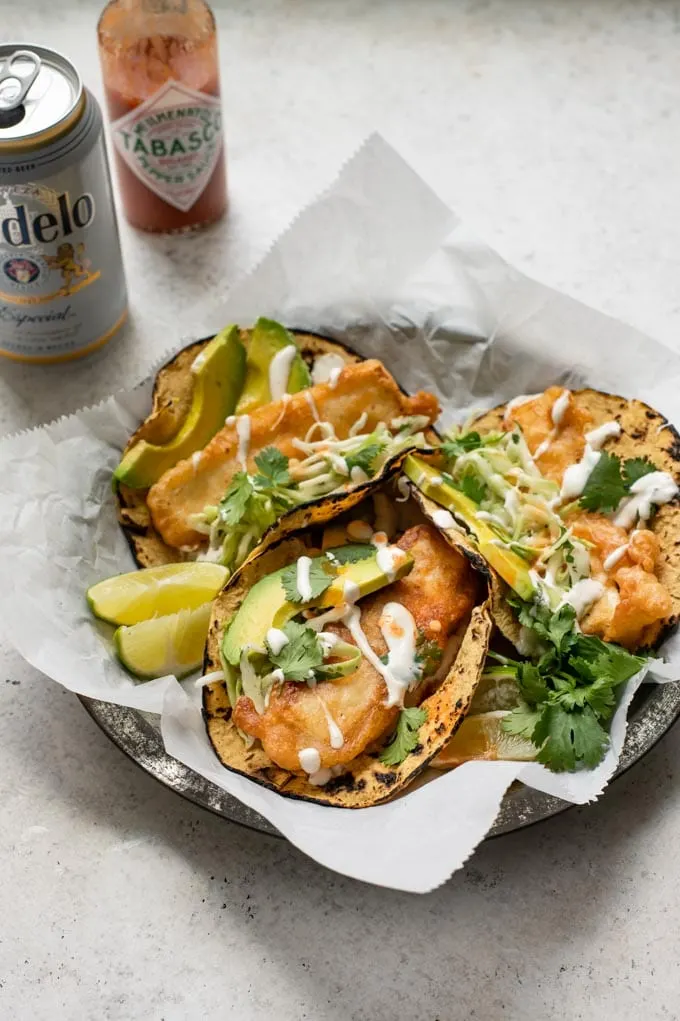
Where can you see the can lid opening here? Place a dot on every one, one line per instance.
(8, 118)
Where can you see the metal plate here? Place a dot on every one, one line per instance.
(654, 710)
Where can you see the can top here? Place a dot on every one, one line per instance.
(41, 95)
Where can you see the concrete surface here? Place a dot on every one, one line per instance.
(555, 128)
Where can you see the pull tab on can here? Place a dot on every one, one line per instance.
(18, 72)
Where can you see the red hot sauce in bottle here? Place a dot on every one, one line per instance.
(161, 77)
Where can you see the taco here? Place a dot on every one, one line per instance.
(341, 660)
(255, 434)
(571, 498)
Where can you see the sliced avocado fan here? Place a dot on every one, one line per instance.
(219, 372)
(267, 340)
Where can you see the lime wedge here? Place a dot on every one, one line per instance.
(164, 645)
(495, 692)
(155, 591)
(482, 737)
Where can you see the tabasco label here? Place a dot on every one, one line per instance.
(172, 142)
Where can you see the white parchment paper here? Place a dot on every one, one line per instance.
(380, 263)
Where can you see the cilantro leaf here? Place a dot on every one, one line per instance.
(233, 506)
(521, 721)
(635, 468)
(321, 574)
(405, 738)
(428, 655)
(352, 553)
(568, 739)
(590, 738)
(560, 628)
(302, 653)
(568, 695)
(605, 488)
(556, 628)
(364, 458)
(473, 487)
(553, 735)
(593, 658)
(619, 665)
(532, 686)
(549, 661)
(611, 668)
(601, 697)
(461, 444)
(273, 467)
(585, 668)
(609, 482)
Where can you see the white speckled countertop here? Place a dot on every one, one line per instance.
(554, 127)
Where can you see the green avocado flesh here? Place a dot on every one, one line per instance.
(507, 564)
(267, 339)
(219, 373)
(266, 604)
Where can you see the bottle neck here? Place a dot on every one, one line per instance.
(125, 20)
(163, 6)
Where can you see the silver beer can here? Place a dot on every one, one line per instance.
(62, 288)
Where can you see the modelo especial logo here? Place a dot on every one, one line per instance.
(22, 227)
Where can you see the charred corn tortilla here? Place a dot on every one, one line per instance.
(644, 433)
(171, 401)
(365, 781)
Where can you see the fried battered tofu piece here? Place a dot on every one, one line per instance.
(439, 593)
(365, 387)
(568, 443)
(634, 599)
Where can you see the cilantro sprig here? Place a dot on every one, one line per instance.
(259, 499)
(456, 445)
(570, 693)
(273, 467)
(234, 505)
(611, 479)
(352, 553)
(406, 736)
(428, 655)
(472, 486)
(365, 458)
(458, 441)
(461, 443)
(302, 653)
(321, 574)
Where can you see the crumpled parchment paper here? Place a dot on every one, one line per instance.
(380, 263)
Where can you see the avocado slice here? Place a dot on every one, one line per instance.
(509, 565)
(266, 604)
(266, 340)
(219, 373)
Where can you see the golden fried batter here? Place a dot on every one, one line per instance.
(568, 444)
(634, 596)
(439, 593)
(365, 387)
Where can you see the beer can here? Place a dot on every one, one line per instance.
(62, 287)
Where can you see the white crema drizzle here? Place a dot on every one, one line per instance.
(279, 371)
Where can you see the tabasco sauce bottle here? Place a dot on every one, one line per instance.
(161, 77)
